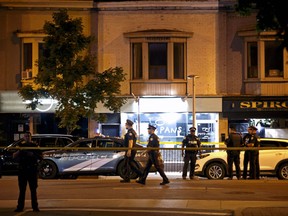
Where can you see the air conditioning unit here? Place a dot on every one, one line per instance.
(27, 74)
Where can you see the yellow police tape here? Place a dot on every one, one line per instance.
(143, 148)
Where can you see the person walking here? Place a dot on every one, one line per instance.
(233, 156)
(130, 142)
(190, 141)
(153, 158)
(28, 171)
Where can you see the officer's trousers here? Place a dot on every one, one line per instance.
(25, 177)
(153, 160)
(233, 157)
(189, 157)
(131, 165)
(245, 163)
(254, 165)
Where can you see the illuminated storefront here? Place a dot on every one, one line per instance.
(173, 119)
(268, 114)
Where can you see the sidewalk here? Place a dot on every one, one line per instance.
(146, 207)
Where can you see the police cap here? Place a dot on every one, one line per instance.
(252, 128)
(193, 129)
(129, 122)
(151, 127)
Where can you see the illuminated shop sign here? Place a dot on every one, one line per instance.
(264, 104)
(254, 105)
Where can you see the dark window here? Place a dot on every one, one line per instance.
(157, 60)
(27, 56)
(61, 142)
(137, 60)
(273, 59)
(47, 142)
(269, 143)
(178, 60)
(252, 60)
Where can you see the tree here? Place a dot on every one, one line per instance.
(67, 74)
(271, 15)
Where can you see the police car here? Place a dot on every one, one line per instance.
(273, 162)
(44, 141)
(91, 156)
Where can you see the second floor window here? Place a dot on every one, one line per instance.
(159, 55)
(157, 60)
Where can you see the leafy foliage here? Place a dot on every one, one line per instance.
(271, 15)
(67, 74)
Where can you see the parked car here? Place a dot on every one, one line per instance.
(45, 141)
(91, 156)
(273, 162)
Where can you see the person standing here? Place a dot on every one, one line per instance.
(28, 171)
(153, 142)
(190, 141)
(247, 153)
(233, 156)
(130, 142)
(254, 157)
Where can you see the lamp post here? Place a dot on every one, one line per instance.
(193, 77)
(137, 100)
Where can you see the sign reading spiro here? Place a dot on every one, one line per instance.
(264, 104)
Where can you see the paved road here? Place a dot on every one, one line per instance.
(106, 195)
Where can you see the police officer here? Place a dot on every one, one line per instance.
(28, 172)
(254, 157)
(251, 156)
(246, 141)
(233, 156)
(130, 142)
(190, 141)
(153, 158)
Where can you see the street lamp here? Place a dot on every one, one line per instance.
(137, 100)
(193, 77)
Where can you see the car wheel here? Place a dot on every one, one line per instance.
(215, 171)
(48, 170)
(121, 170)
(283, 171)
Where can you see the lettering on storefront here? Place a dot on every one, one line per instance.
(264, 105)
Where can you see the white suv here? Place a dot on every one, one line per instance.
(273, 162)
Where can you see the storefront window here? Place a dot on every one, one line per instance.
(172, 127)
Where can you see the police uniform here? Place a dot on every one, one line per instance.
(28, 173)
(153, 142)
(129, 161)
(233, 156)
(190, 141)
(254, 158)
(251, 156)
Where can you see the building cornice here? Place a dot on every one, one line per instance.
(157, 5)
(34, 4)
